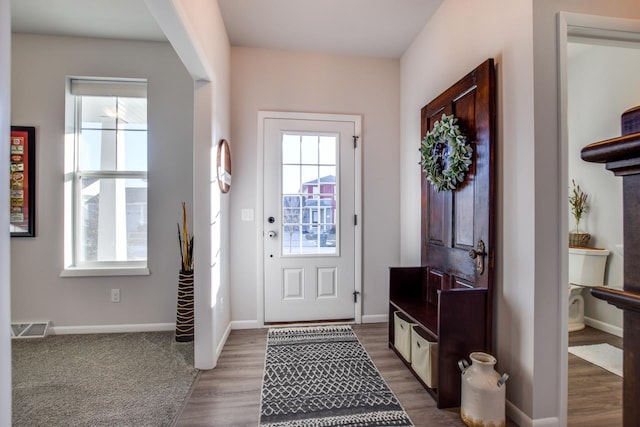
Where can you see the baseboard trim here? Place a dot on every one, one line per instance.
(547, 422)
(375, 318)
(523, 420)
(107, 329)
(223, 341)
(606, 327)
(245, 324)
(517, 416)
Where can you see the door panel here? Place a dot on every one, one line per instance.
(464, 215)
(309, 205)
(292, 283)
(327, 282)
(437, 213)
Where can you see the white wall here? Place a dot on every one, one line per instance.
(40, 65)
(207, 55)
(459, 37)
(602, 84)
(307, 82)
(5, 277)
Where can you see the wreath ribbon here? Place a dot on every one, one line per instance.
(446, 156)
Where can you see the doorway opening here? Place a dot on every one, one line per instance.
(599, 60)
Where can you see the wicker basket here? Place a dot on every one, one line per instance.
(579, 239)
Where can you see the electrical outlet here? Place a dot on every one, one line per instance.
(115, 295)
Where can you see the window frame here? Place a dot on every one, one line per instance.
(76, 89)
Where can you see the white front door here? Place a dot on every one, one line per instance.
(310, 207)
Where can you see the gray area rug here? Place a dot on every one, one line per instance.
(131, 379)
(322, 376)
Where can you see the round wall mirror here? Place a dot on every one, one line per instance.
(224, 166)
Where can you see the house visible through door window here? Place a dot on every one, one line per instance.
(309, 194)
(106, 175)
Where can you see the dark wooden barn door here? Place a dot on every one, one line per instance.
(458, 226)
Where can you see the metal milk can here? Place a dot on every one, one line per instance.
(482, 400)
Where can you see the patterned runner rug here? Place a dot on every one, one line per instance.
(322, 376)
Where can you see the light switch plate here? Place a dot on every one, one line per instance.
(246, 214)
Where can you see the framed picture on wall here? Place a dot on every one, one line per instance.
(22, 182)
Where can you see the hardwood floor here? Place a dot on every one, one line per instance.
(229, 395)
(595, 395)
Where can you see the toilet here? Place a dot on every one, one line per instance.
(586, 269)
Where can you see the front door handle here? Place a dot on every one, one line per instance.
(479, 253)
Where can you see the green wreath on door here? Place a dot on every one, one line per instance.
(446, 156)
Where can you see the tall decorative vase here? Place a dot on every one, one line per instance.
(482, 399)
(185, 314)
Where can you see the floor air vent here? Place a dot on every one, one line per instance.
(29, 330)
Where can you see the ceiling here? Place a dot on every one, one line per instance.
(380, 28)
(120, 19)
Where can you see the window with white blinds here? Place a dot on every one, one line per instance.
(107, 173)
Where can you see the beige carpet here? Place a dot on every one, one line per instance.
(133, 379)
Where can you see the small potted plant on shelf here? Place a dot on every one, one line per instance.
(185, 313)
(579, 206)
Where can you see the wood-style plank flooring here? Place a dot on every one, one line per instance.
(229, 395)
(595, 394)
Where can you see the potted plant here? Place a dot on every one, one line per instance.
(185, 313)
(579, 206)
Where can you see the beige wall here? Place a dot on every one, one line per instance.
(306, 82)
(459, 37)
(40, 66)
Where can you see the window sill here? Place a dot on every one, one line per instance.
(104, 272)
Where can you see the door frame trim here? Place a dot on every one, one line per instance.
(357, 121)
